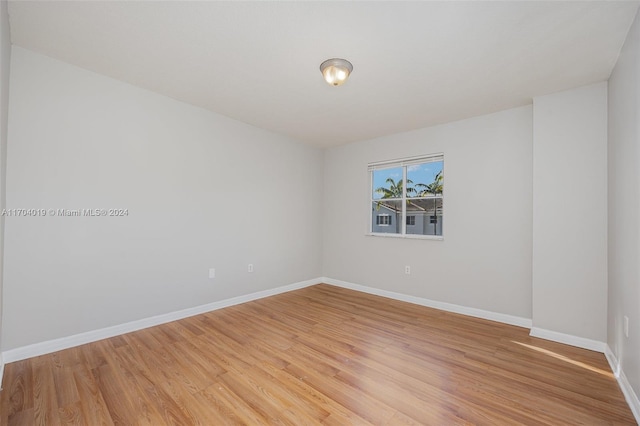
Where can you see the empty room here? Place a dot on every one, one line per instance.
(319, 212)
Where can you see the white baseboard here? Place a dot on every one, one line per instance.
(625, 386)
(1, 369)
(568, 339)
(443, 306)
(613, 361)
(50, 346)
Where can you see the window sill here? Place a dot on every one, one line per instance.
(406, 236)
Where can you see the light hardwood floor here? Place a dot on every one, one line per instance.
(319, 355)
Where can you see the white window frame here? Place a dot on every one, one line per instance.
(403, 163)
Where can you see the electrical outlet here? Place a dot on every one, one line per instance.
(407, 270)
(626, 326)
(250, 267)
(212, 273)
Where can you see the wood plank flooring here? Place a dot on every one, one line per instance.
(319, 355)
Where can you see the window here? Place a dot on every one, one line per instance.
(416, 206)
(383, 220)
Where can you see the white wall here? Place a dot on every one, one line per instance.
(5, 60)
(570, 212)
(202, 191)
(484, 261)
(624, 208)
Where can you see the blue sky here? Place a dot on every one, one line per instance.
(419, 173)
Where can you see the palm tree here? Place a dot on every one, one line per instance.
(434, 188)
(395, 190)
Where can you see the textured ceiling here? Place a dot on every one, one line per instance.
(415, 63)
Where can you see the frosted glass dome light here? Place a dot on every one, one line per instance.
(336, 71)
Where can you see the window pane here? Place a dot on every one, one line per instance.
(387, 183)
(428, 216)
(425, 179)
(386, 216)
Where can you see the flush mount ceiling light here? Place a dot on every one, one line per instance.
(336, 71)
